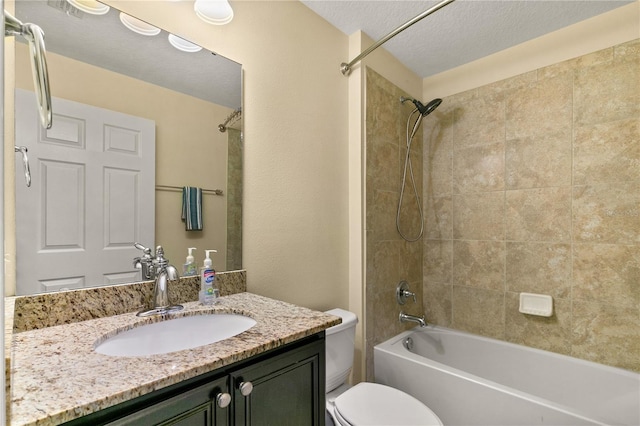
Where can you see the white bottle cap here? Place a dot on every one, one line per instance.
(190, 256)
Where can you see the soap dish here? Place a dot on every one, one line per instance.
(536, 304)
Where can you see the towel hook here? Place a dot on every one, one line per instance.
(25, 161)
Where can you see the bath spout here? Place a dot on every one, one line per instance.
(406, 317)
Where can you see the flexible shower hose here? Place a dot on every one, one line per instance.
(407, 164)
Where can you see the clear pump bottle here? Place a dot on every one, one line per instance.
(190, 268)
(209, 291)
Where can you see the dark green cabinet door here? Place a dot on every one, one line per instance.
(286, 390)
(196, 407)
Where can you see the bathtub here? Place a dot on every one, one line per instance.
(472, 380)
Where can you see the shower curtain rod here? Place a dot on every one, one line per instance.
(346, 67)
(35, 36)
(234, 116)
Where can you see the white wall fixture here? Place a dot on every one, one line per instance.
(216, 12)
(536, 304)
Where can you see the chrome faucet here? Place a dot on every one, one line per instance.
(406, 317)
(163, 273)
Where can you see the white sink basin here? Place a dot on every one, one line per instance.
(175, 335)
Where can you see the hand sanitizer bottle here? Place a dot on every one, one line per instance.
(209, 291)
(190, 268)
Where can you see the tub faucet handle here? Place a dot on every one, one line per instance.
(403, 293)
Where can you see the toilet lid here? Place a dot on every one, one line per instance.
(376, 404)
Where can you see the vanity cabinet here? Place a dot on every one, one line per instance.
(284, 386)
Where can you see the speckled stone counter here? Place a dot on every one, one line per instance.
(57, 376)
(23, 313)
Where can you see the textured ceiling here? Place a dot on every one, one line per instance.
(461, 32)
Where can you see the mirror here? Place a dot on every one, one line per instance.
(98, 63)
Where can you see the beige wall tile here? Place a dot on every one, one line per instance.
(543, 108)
(478, 311)
(479, 264)
(438, 259)
(539, 268)
(438, 152)
(608, 334)
(479, 216)
(389, 259)
(607, 92)
(381, 215)
(608, 152)
(437, 303)
(564, 67)
(550, 334)
(538, 162)
(542, 214)
(609, 273)
(410, 258)
(566, 214)
(478, 121)
(438, 218)
(608, 213)
(627, 51)
(382, 166)
(383, 266)
(479, 168)
(509, 84)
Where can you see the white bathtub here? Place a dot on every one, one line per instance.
(472, 380)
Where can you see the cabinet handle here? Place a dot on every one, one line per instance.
(245, 388)
(223, 400)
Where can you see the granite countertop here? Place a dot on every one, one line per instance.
(56, 375)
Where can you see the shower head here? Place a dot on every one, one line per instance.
(427, 109)
(424, 109)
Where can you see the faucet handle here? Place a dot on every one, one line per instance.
(403, 293)
(145, 250)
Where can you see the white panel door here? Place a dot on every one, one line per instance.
(92, 196)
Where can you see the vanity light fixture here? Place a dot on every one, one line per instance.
(138, 26)
(184, 45)
(92, 7)
(216, 12)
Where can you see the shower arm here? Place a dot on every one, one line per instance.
(34, 35)
(346, 67)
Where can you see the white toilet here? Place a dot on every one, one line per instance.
(364, 403)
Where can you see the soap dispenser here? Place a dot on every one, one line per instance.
(190, 268)
(209, 291)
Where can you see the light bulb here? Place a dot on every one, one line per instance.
(216, 12)
(92, 7)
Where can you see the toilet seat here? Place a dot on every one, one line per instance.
(376, 404)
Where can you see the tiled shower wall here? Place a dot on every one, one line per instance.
(532, 184)
(234, 199)
(389, 259)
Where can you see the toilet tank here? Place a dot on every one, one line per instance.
(340, 340)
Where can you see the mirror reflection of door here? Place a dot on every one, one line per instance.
(92, 196)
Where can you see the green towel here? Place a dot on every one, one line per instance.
(192, 208)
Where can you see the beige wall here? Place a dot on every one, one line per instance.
(295, 244)
(189, 148)
(532, 185)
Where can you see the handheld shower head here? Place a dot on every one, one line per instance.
(424, 109)
(429, 108)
